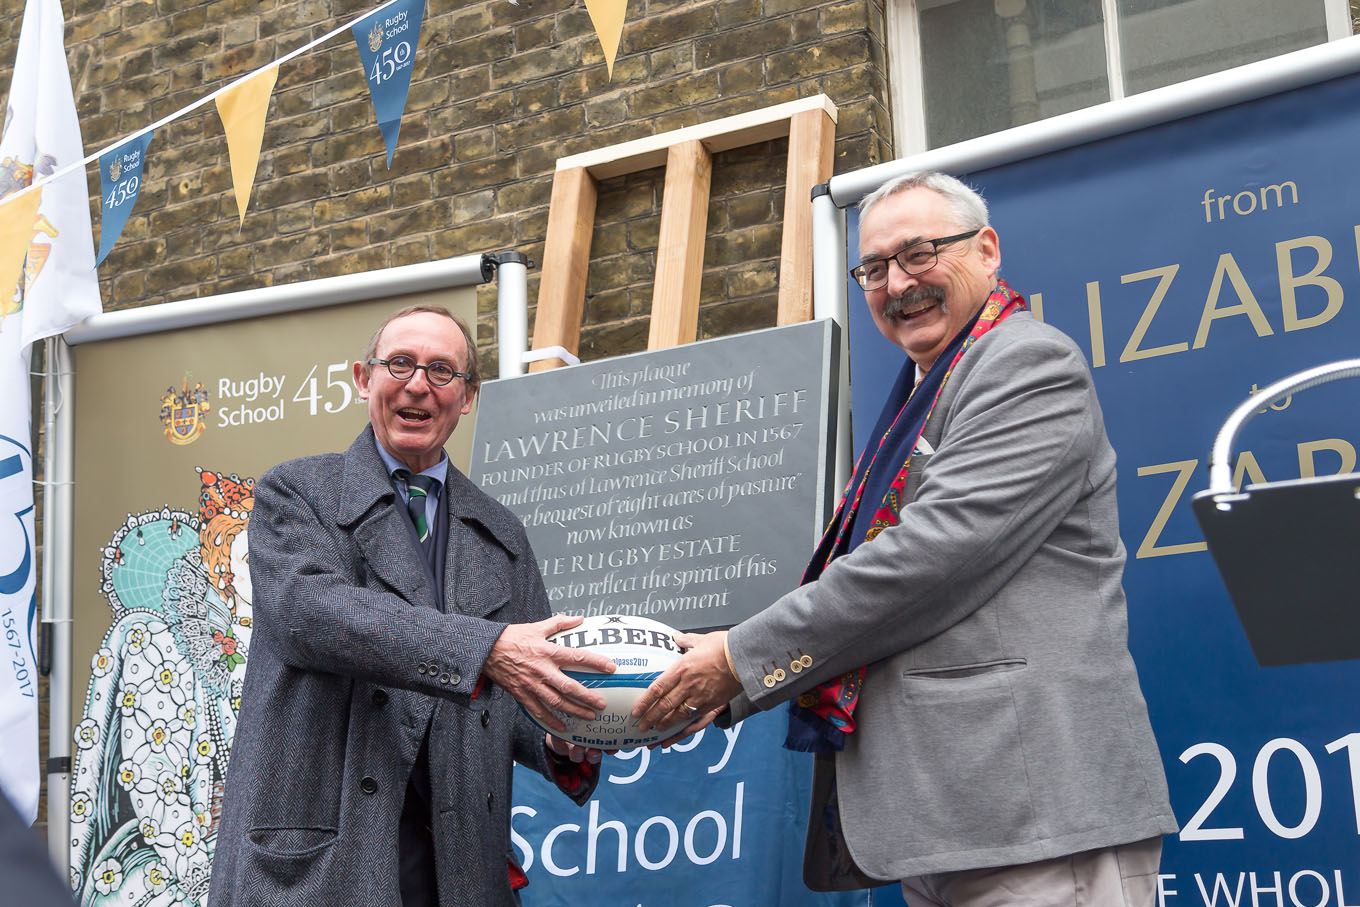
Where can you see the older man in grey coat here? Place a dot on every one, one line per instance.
(957, 656)
(399, 619)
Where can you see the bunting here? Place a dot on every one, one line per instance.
(387, 42)
(120, 180)
(387, 38)
(607, 17)
(243, 107)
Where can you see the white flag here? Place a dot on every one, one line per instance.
(58, 289)
(42, 135)
(19, 771)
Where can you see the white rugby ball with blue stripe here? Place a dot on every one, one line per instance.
(642, 649)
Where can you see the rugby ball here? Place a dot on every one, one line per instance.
(642, 649)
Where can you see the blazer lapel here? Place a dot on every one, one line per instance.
(369, 504)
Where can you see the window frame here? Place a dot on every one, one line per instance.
(907, 81)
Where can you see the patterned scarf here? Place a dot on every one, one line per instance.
(821, 717)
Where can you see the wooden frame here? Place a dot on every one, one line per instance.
(687, 155)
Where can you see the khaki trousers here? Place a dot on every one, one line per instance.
(1123, 876)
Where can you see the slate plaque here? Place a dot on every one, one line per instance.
(688, 485)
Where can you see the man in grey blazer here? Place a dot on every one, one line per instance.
(400, 622)
(957, 656)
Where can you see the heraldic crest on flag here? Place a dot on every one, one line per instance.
(15, 175)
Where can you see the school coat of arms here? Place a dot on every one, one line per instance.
(184, 412)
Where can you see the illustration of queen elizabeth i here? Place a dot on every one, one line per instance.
(165, 686)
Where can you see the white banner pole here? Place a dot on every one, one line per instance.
(830, 300)
(58, 544)
(512, 312)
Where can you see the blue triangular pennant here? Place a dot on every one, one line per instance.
(120, 179)
(387, 48)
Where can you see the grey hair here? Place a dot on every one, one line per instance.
(970, 210)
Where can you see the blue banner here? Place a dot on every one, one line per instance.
(714, 821)
(387, 48)
(120, 180)
(1194, 262)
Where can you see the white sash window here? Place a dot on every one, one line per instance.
(966, 68)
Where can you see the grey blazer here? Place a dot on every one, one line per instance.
(1001, 721)
(351, 659)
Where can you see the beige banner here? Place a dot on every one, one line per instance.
(161, 605)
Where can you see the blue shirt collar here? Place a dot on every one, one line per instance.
(438, 471)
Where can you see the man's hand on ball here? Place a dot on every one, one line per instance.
(703, 721)
(529, 668)
(571, 751)
(698, 684)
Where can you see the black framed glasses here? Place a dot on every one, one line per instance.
(916, 258)
(403, 368)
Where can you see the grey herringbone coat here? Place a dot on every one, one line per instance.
(351, 659)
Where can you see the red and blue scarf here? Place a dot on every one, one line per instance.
(821, 717)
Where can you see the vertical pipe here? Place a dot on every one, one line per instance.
(830, 300)
(1114, 49)
(829, 270)
(1338, 18)
(512, 312)
(58, 457)
(1024, 90)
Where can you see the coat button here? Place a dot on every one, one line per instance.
(779, 674)
(769, 680)
(369, 784)
(806, 660)
(486, 717)
(490, 801)
(455, 678)
(422, 668)
(444, 678)
(380, 697)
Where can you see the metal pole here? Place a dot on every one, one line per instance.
(830, 300)
(1220, 468)
(512, 312)
(58, 457)
(828, 257)
(465, 270)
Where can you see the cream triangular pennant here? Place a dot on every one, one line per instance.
(243, 108)
(607, 17)
(17, 219)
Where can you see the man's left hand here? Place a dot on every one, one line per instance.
(699, 683)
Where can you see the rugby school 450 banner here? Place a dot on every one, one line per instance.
(387, 38)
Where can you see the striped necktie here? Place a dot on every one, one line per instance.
(418, 488)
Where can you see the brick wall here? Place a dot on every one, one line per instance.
(499, 93)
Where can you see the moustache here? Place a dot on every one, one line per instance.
(912, 299)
